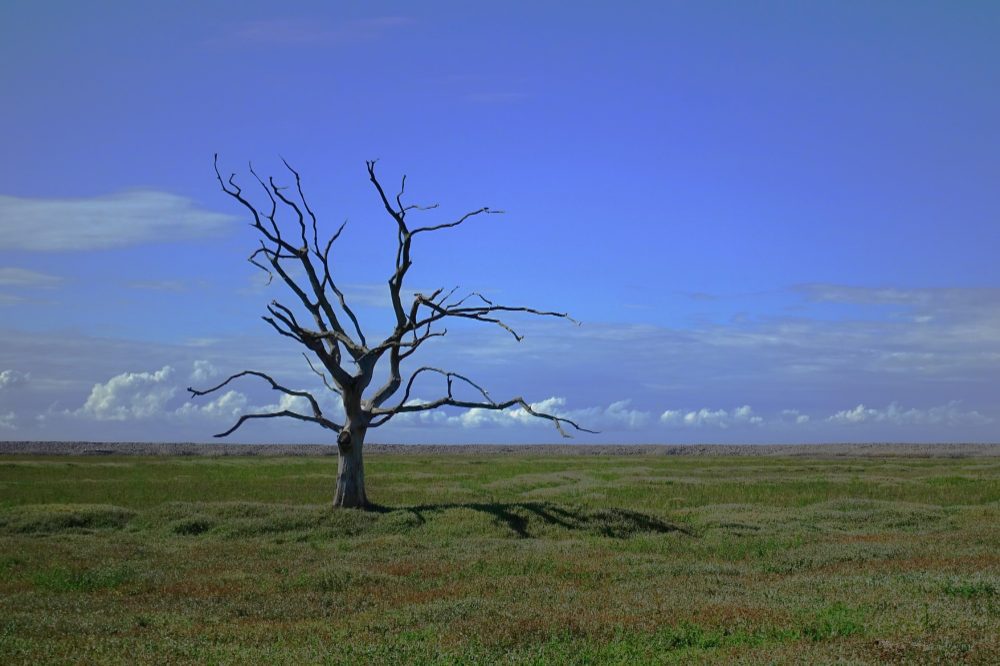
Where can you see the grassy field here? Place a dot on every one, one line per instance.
(502, 559)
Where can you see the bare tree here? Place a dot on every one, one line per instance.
(345, 360)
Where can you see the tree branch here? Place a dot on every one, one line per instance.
(329, 425)
(327, 338)
(480, 313)
(381, 416)
(448, 225)
(321, 374)
(317, 416)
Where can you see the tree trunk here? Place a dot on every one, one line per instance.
(350, 492)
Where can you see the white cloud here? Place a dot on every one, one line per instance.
(203, 371)
(12, 378)
(615, 415)
(293, 403)
(230, 404)
(632, 419)
(7, 421)
(795, 416)
(22, 277)
(948, 414)
(145, 395)
(130, 395)
(719, 418)
(328, 401)
(133, 396)
(553, 405)
(857, 415)
(108, 221)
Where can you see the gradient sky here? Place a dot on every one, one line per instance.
(776, 221)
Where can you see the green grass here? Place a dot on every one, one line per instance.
(577, 559)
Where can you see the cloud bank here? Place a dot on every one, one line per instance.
(718, 418)
(948, 414)
(130, 395)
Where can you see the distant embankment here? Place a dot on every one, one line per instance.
(806, 450)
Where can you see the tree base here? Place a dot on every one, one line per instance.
(350, 491)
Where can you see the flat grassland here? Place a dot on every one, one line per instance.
(487, 558)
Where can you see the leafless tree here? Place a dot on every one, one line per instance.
(338, 350)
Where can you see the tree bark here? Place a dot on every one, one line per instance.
(350, 491)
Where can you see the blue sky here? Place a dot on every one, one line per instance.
(776, 221)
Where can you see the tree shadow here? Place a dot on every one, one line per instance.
(519, 517)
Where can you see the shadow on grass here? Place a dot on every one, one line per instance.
(520, 517)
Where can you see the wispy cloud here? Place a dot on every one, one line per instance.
(951, 334)
(927, 298)
(22, 277)
(949, 414)
(109, 221)
(902, 378)
(158, 285)
(376, 295)
(309, 32)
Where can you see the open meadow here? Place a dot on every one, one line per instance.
(489, 558)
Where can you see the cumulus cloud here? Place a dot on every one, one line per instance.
(147, 396)
(719, 418)
(203, 371)
(292, 403)
(109, 221)
(22, 277)
(794, 416)
(233, 404)
(478, 417)
(7, 421)
(949, 414)
(130, 395)
(616, 415)
(228, 405)
(12, 378)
